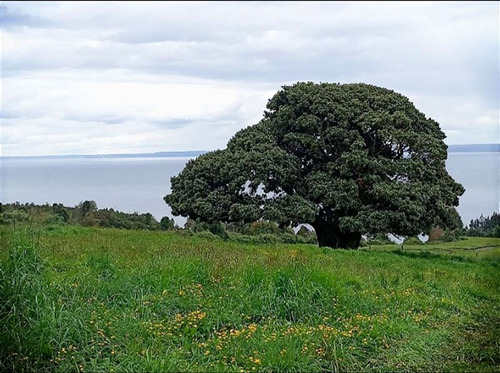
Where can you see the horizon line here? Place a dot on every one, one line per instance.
(495, 147)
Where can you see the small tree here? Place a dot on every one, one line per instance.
(60, 211)
(167, 223)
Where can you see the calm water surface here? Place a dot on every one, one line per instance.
(139, 184)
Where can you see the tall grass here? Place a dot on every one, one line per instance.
(88, 299)
(25, 310)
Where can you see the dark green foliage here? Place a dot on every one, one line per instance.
(267, 238)
(243, 238)
(484, 226)
(263, 227)
(347, 159)
(60, 211)
(167, 223)
(10, 217)
(189, 223)
(291, 238)
(50, 217)
(87, 207)
(86, 214)
(207, 234)
(449, 236)
(215, 228)
(496, 231)
(218, 229)
(439, 235)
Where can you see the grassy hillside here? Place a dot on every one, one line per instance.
(90, 299)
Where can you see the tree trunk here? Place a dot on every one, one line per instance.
(331, 236)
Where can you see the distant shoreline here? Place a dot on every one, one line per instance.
(126, 155)
(474, 148)
(461, 148)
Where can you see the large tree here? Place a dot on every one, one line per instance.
(349, 159)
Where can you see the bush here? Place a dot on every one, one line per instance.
(263, 227)
(218, 229)
(198, 226)
(413, 241)
(167, 223)
(448, 236)
(436, 234)
(236, 227)
(243, 238)
(60, 211)
(378, 239)
(267, 238)
(290, 238)
(439, 235)
(54, 219)
(207, 235)
(11, 217)
(496, 231)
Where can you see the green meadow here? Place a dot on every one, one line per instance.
(102, 300)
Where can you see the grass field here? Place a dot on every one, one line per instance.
(89, 299)
(474, 247)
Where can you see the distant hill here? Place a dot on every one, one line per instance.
(470, 148)
(194, 153)
(463, 148)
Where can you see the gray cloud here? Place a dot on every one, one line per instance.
(115, 63)
(14, 17)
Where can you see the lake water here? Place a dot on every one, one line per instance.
(139, 184)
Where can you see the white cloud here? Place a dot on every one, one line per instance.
(137, 76)
(103, 114)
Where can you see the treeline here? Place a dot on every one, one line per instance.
(488, 226)
(85, 213)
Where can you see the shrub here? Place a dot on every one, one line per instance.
(413, 241)
(60, 211)
(243, 238)
(267, 238)
(218, 229)
(496, 231)
(436, 234)
(449, 236)
(304, 231)
(236, 227)
(11, 217)
(289, 238)
(207, 235)
(379, 239)
(198, 226)
(263, 227)
(167, 223)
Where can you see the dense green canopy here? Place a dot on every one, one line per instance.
(349, 159)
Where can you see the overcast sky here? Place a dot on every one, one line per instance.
(123, 77)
